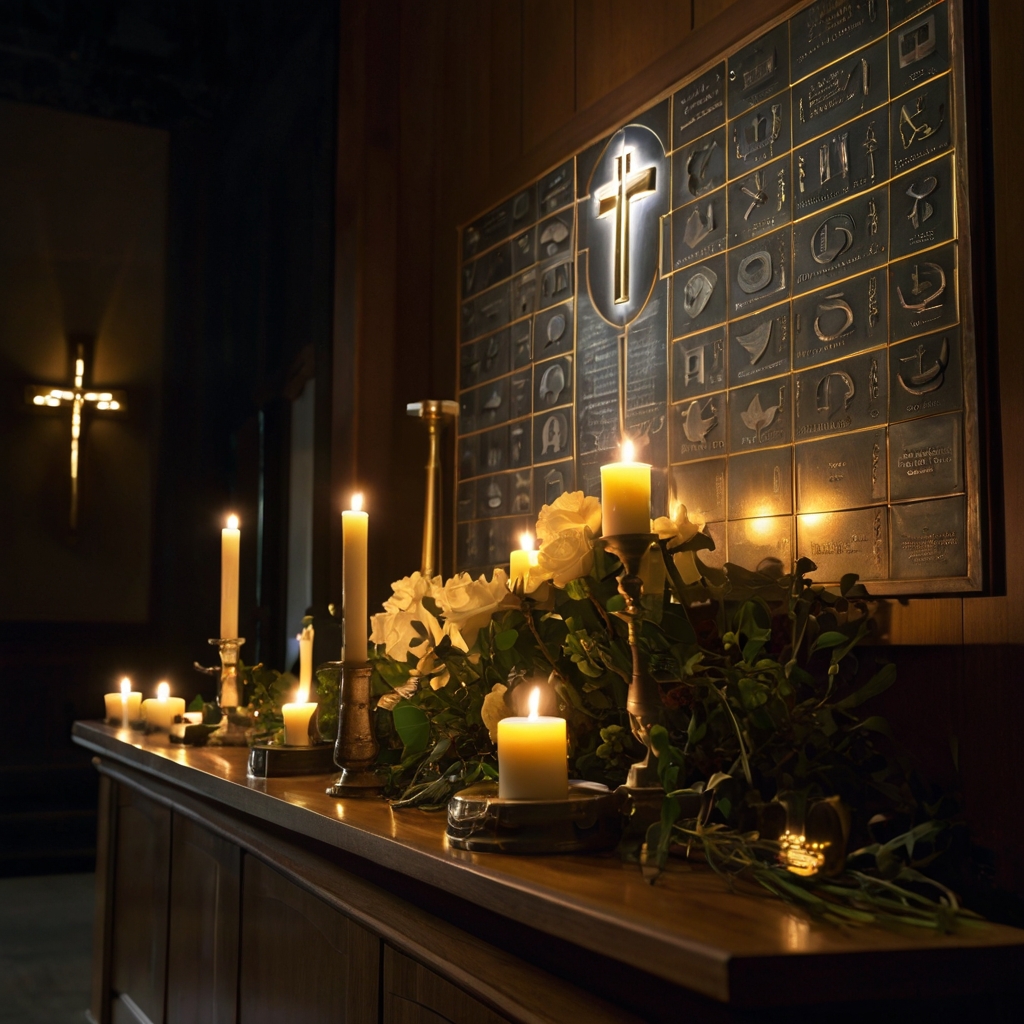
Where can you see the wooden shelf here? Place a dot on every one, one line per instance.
(687, 929)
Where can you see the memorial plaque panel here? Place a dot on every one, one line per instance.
(759, 346)
(927, 457)
(700, 486)
(925, 376)
(699, 428)
(760, 484)
(929, 539)
(831, 28)
(841, 472)
(839, 321)
(919, 50)
(848, 160)
(761, 544)
(699, 106)
(921, 206)
(764, 281)
(843, 542)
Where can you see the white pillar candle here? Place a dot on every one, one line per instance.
(305, 639)
(532, 756)
(354, 528)
(626, 495)
(296, 719)
(123, 707)
(521, 562)
(230, 538)
(159, 712)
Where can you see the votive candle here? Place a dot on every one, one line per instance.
(626, 495)
(532, 756)
(159, 712)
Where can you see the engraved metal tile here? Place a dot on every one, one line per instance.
(521, 493)
(492, 403)
(493, 355)
(828, 29)
(552, 435)
(520, 444)
(556, 281)
(489, 269)
(556, 189)
(552, 331)
(759, 273)
(760, 415)
(486, 312)
(698, 364)
(467, 412)
(698, 168)
(919, 124)
(929, 539)
(760, 202)
(903, 10)
(519, 394)
(699, 229)
(925, 376)
(852, 85)
(492, 497)
(841, 396)
(551, 481)
(469, 456)
(495, 538)
(552, 383)
(699, 106)
(555, 234)
(842, 542)
(922, 207)
(699, 428)
(761, 484)
(700, 486)
(841, 472)
(467, 545)
(759, 346)
(919, 49)
(699, 297)
(759, 70)
(522, 343)
(597, 381)
(924, 293)
(847, 318)
(926, 457)
(465, 502)
(764, 544)
(646, 406)
(843, 240)
(493, 226)
(852, 158)
(758, 136)
(524, 250)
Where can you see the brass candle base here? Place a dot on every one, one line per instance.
(355, 750)
(235, 724)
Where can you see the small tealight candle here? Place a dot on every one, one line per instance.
(521, 562)
(160, 712)
(626, 495)
(123, 707)
(532, 756)
(297, 714)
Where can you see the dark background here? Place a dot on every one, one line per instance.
(322, 156)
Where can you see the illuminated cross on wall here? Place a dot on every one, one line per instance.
(616, 198)
(78, 398)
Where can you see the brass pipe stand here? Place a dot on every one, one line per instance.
(435, 414)
(356, 748)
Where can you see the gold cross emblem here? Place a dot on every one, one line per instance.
(77, 398)
(616, 198)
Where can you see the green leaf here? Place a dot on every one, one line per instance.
(752, 693)
(576, 590)
(878, 683)
(506, 640)
(833, 638)
(197, 703)
(616, 603)
(412, 726)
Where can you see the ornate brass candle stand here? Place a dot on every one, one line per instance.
(235, 721)
(355, 750)
(643, 701)
(435, 414)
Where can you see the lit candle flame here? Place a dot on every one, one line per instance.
(302, 696)
(357, 502)
(534, 702)
(126, 687)
(526, 541)
(232, 522)
(627, 451)
(163, 691)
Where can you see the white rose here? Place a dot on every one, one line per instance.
(571, 510)
(395, 626)
(566, 556)
(494, 709)
(677, 530)
(470, 604)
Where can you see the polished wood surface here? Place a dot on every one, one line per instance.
(202, 954)
(103, 923)
(687, 928)
(141, 886)
(300, 958)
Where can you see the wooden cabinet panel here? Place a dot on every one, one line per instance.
(415, 995)
(141, 884)
(202, 956)
(301, 959)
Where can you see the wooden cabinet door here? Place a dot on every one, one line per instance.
(301, 959)
(202, 955)
(141, 883)
(413, 994)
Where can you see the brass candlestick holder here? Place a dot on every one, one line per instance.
(355, 750)
(435, 414)
(643, 701)
(235, 722)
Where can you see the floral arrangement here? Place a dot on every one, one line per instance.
(762, 691)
